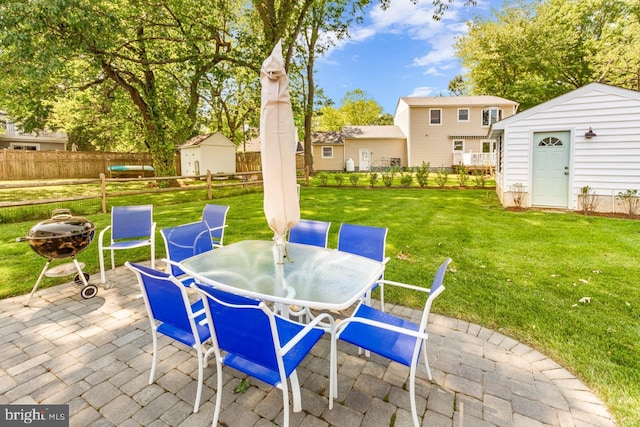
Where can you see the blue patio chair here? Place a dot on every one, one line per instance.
(365, 241)
(392, 337)
(310, 232)
(172, 314)
(216, 218)
(259, 343)
(131, 227)
(184, 241)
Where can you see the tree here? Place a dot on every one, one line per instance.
(532, 53)
(158, 53)
(357, 109)
(149, 73)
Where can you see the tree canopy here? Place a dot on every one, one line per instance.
(532, 52)
(130, 75)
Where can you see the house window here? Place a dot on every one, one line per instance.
(491, 115)
(463, 114)
(458, 145)
(488, 146)
(23, 146)
(327, 152)
(435, 116)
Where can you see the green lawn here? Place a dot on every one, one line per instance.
(522, 273)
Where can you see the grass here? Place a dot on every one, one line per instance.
(521, 273)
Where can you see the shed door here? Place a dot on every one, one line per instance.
(550, 185)
(365, 159)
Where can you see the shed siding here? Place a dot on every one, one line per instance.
(608, 163)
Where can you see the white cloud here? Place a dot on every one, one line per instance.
(423, 91)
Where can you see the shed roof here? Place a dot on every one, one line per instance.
(373, 132)
(325, 138)
(499, 126)
(199, 139)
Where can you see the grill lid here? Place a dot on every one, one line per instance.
(61, 236)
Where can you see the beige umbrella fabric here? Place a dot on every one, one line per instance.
(278, 148)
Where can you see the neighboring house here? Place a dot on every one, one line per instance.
(375, 147)
(328, 151)
(587, 137)
(12, 138)
(212, 152)
(443, 131)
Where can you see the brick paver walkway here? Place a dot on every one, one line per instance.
(95, 355)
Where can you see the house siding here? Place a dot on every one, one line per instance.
(608, 163)
(433, 143)
(381, 149)
(334, 164)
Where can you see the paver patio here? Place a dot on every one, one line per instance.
(95, 355)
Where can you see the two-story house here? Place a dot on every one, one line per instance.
(12, 137)
(441, 131)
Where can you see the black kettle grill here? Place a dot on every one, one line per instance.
(62, 236)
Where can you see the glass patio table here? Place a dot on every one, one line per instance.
(310, 276)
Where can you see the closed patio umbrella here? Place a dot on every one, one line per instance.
(278, 149)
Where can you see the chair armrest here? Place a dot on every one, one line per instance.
(100, 236)
(374, 323)
(404, 285)
(311, 325)
(220, 227)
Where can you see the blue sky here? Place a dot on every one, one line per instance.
(399, 52)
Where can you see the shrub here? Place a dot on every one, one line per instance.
(518, 193)
(630, 200)
(422, 174)
(480, 178)
(354, 178)
(373, 178)
(441, 177)
(406, 179)
(588, 199)
(463, 175)
(387, 177)
(323, 177)
(338, 178)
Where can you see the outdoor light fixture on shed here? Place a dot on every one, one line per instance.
(590, 133)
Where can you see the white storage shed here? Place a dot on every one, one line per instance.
(589, 137)
(214, 152)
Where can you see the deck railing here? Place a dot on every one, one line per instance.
(474, 159)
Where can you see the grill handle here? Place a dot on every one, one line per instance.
(60, 213)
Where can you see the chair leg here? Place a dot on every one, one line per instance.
(153, 255)
(196, 405)
(426, 360)
(285, 397)
(333, 372)
(216, 413)
(295, 390)
(382, 296)
(113, 259)
(412, 396)
(154, 356)
(102, 273)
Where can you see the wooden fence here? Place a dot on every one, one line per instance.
(27, 165)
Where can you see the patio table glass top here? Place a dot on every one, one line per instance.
(311, 276)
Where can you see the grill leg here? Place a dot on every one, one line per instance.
(80, 273)
(35, 287)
